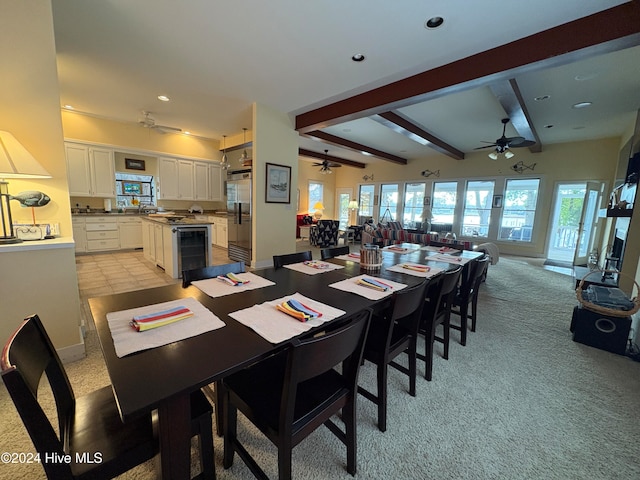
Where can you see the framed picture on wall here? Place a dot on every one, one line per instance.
(133, 164)
(278, 184)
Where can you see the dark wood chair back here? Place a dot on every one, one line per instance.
(89, 425)
(464, 296)
(437, 311)
(392, 333)
(331, 252)
(289, 395)
(280, 261)
(211, 271)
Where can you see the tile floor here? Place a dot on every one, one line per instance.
(122, 271)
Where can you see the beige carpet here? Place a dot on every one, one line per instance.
(520, 401)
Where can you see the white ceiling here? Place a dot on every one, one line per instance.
(214, 59)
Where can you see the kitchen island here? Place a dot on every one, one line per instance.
(176, 244)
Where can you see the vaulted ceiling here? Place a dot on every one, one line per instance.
(419, 91)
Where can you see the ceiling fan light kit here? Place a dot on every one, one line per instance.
(326, 166)
(504, 143)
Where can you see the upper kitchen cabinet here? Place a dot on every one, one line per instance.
(90, 170)
(216, 183)
(175, 179)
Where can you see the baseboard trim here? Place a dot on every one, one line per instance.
(72, 353)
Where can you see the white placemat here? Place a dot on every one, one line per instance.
(320, 267)
(351, 257)
(443, 257)
(275, 326)
(126, 340)
(351, 285)
(407, 268)
(219, 288)
(399, 249)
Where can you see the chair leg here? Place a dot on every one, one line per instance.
(428, 354)
(412, 354)
(349, 419)
(446, 335)
(230, 414)
(463, 324)
(207, 463)
(285, 451)
(474, 311)
(382, 374)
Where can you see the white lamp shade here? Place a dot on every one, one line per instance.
(353, 205)
(16, 161)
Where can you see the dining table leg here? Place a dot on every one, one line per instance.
(174, 435)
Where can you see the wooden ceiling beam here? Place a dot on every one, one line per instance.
(403, 126)
(607, 31)
(509, 96)
(322, 157)
(356, 147)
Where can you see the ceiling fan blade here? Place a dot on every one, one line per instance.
(514, 140)
(166, 128)
(486, 146)
(523, 143)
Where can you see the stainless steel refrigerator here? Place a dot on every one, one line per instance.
(239, 215)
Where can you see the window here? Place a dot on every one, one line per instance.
(133, 190)
(520, 199)
(413, 205)
(443, 203)
(366, 200)
(389, 202)
(316, 194)
(477, 208)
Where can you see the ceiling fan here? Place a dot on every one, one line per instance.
(503, 144)
(326, 165)
(148, 122)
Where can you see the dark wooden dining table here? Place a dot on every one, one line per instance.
(163, 378)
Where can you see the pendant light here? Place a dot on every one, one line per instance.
(224, 162)
(244, 156)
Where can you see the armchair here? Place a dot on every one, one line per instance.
(325, 233)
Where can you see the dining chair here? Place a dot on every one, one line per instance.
(280, 261)
(289, 395)
(331, 252)
(211, 271)
(466, 294)
(90, 431)
(392, 332)
(437, 311)
(203, 273)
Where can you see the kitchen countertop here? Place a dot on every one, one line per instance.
(184, 221)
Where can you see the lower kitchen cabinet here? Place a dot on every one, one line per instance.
(130, 232)
(79, 234)
(102, 233)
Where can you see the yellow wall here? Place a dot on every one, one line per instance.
(30, 109)
(274, 224)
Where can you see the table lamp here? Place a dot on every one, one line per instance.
(318, 207)
(15, 162)
(353, 206)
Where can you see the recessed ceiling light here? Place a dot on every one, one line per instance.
(163, 98)
(358, 57)
(548, 126)
(434, 22)
(542, 97)
(187, 133)
(582, 105)
(68, 107)
(579, 127)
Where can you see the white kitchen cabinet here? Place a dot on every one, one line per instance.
(90, 171)
(158, 245)
(102, 233)
(130, 232)
(175, 179)
(79, 234)
(169, 252)
(216, 183)
(221, 232)
(148, 241)
(201, 181)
